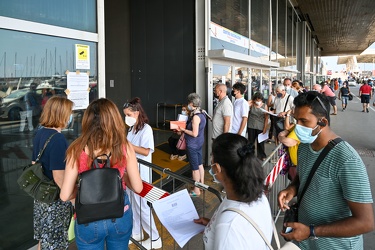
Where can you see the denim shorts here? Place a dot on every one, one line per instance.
(345, 99)
(112, 233)
(195, 157)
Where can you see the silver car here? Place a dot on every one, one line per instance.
(12, 104)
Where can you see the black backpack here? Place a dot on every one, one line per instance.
(100, 193)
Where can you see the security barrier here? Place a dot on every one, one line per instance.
(208, 202)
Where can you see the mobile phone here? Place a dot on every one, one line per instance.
(288, 230)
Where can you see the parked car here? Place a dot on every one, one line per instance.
(12, 104)
(352, 82)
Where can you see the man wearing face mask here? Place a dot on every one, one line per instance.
(336, 208)
(240, 110)
(223, 112)
(288, 87)
(283, 103)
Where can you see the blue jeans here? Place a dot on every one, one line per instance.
(114, 234)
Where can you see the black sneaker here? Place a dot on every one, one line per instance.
(367, 110)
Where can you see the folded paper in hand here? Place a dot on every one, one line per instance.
(176, 124)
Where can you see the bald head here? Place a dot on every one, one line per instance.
(221, 90)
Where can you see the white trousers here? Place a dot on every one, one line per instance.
(142, 216)
(29, 115)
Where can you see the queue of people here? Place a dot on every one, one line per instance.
(337, 222)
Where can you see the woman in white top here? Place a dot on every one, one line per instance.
(241, 174)
(140, 135)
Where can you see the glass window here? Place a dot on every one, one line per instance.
(31, 58)
(229, 27)
(289, 37)
(260, 35)
(308, 51)
(274, 48)
(281, 37)
(72, 14)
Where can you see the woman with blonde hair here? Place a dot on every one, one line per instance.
(51, 221)
(102, 134)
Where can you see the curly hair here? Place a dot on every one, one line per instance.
(233, 153)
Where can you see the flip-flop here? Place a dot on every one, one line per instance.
(193, 194)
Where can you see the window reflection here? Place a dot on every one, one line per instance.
(28, 59)
(80, 15)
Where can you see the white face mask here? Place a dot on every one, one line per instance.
(183, 112)
(130, 121)
(258, 103)
(287, 87)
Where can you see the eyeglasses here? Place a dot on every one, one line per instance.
(309, 98)
(128, 105)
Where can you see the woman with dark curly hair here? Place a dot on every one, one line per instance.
(241, 174)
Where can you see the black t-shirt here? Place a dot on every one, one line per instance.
(344, 91)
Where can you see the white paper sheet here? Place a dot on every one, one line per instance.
(182, 117)
(177, 212)
(268, 112)
(263, 137)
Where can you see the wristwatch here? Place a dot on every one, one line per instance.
(312, 233)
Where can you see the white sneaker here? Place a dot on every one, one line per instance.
(155, 244)
(137, 237)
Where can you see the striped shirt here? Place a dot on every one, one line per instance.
(341, 177)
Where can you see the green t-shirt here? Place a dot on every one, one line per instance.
(341, 177)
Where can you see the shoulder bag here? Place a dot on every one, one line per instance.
(35, 183)
(280, 121)
(100, 193)
(287, 245)
(181, 144)
(291, 215)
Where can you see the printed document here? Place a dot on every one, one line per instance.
(177, 212)
(263, 137)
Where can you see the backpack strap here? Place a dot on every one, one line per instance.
(95, 163)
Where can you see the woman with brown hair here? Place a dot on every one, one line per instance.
(102, 134)
(51, 221)
(141, 137)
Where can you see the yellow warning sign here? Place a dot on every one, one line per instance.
(82, 56)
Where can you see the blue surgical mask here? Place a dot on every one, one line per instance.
(213, 175)
(304, 134)
(190, 107)
(279, 95)
(183, 112)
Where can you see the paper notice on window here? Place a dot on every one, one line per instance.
(78, 89)
(177, 212)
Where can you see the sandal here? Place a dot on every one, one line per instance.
(193, 194)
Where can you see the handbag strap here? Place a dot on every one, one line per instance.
(331, 144)
(252, 222)
(44, 147)
(286, 103)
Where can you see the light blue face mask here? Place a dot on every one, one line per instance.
(304, 134)
(213, 175)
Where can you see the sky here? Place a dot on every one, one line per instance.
(331, 63)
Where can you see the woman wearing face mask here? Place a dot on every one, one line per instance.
(257, 123)
(173, 140)
(51, 221)
(241, 175)
(194, 136)
(140, 135)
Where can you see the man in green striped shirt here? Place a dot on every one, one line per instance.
(336, 208)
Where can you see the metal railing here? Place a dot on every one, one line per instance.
(167, 177)
(177, 182)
